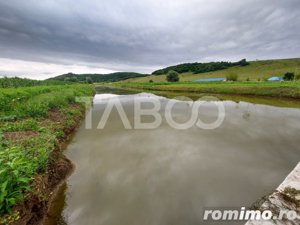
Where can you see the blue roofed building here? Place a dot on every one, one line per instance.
(211, 79)
(275, 79)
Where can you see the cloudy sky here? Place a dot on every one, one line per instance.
(39, 39)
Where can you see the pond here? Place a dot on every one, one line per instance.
(167, 176)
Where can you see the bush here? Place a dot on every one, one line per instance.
(289, 76)
(172, 76)
(150, 81)
(232, 77)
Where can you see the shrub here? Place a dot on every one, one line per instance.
(150, 81)
(232, 77)
(172, 76)
(289, 76)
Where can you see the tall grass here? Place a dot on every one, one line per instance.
(26, 110)
(6, 82)
(36, 101)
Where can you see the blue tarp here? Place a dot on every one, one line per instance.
(275, 79)
(210, 79)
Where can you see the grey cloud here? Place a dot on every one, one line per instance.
(147, 34)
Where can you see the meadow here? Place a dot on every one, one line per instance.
(33, 121)
(288, 89)
(255, 71)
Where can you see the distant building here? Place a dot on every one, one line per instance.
(210, 79)
(275, 79)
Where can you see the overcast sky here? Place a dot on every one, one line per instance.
(42, 38)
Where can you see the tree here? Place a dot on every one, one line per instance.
(89, 80)
(289, 76)
(172, 76)
(232, 77)
(243, 62)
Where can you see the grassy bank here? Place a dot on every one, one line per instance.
(33, 123)
(271, 89)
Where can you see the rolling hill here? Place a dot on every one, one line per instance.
(93, 78)
(259, 69)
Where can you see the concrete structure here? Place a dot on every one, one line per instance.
(276, 202)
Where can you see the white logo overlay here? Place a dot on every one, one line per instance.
(158, 110)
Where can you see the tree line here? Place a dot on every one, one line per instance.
(200, 67)
(94, 78)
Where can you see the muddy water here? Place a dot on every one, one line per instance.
(166, 176)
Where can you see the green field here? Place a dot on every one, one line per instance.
(288, 89)
(256, 70)
(33, 120)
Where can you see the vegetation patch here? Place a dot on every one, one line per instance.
(200, 67)
(92, 78)
(31, 162)
(291, 195)
(24, 82)
(259, 70)
(288, 89)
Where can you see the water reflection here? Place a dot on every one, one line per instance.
(166, 176)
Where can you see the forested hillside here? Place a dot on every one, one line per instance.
(200, 67)
(93, 78)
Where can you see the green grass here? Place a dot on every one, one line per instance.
(24, 112)
(36, 101)
(6, 82)
(256, 70)
(271, 89)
